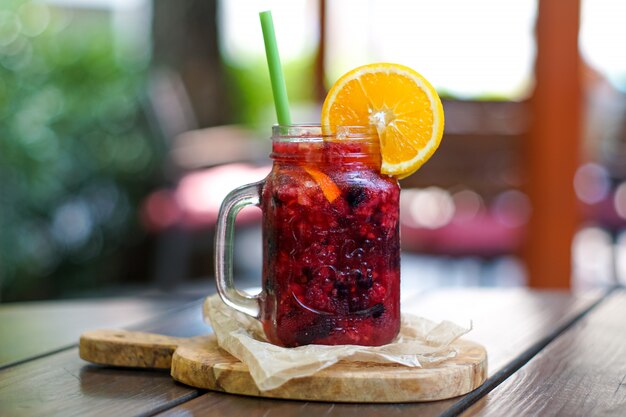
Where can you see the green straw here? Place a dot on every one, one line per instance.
(279, 89)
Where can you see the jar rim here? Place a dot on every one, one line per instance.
(310, 132)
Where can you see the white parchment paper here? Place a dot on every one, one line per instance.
(419, 343)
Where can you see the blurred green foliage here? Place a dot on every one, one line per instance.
(251, 92)
(75, 155)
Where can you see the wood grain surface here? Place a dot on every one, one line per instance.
(62, 384)
(31, 329)
(583, 373)
(506, 322)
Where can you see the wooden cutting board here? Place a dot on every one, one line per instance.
(199, 362)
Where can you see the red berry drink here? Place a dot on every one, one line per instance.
(331, 252)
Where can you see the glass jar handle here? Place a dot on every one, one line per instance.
(224, 239)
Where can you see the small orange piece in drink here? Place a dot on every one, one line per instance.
(328, 186)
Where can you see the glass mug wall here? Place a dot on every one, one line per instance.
(331, 254)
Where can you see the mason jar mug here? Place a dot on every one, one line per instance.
(331, 245)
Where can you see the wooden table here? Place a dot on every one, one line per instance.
(550, 353)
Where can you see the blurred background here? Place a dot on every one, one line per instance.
(123, 123)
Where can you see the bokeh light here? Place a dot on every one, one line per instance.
(592, 252)
(467, 205)
(592, 183)
(512, 208)
(620, 200)
(432, 207)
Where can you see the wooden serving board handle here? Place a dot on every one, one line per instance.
(126, 348)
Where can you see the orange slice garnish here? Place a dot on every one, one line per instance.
(400, 103)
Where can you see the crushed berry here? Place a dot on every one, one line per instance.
(333, 267)
(365, 281)
(377, 310)
(276, 200)
(317, 330)
(342, 288)
(356, 195)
